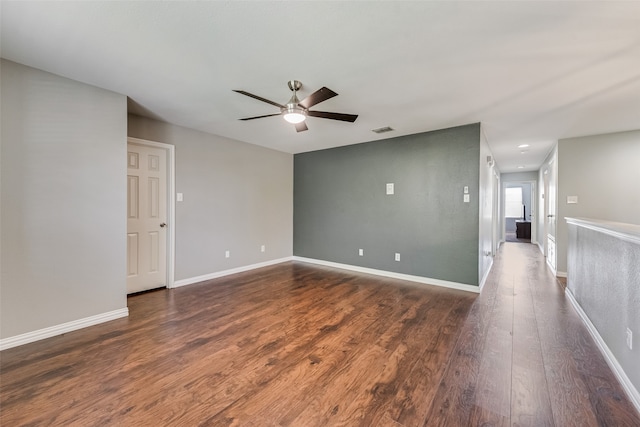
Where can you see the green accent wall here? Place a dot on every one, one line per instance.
(341, 205)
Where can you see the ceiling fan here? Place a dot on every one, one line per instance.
(296, 111)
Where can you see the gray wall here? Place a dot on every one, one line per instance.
(340, 204)
(604, 273)
(63, 200)
(519, 176)
(237, 197)
(604, 172)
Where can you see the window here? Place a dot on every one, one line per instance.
(513, 202)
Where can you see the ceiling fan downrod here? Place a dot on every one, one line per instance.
(295, 86)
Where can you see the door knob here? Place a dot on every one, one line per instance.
(164, 224)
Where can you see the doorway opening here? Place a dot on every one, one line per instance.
(519, 212)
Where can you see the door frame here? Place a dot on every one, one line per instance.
(496, 241)
(171, 203)
(550, 177)
(545, 218)
(533, 212)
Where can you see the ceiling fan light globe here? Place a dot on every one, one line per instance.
(294, 117)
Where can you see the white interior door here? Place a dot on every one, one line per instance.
(146, 218)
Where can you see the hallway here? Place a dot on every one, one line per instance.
(525, 358)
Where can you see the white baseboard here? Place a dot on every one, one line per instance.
(486, 274)
(197, 279)
(561, 274)
(63, 328)
(622, 377)
(553, 270)
(401, 276)
(540, 247)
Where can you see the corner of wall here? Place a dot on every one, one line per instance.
(487, 208)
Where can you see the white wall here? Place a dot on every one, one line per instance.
(604, 172)
(237, 197)
(487, 200)
(63, 200)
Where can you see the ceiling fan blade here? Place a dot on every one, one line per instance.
(259, 98)
(317, 97)
(301, 127)
(259, 117)
(333, 116)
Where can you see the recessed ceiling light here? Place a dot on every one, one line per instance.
(523, 145)
(520, 167)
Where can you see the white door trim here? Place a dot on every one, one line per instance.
(534, 212)
(171, 203)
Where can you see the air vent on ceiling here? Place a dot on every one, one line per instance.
(382, 130)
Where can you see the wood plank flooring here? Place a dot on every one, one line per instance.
(301, 345)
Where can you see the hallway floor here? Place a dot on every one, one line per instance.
(525, 358)
(510, 236)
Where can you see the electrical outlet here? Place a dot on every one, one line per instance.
(397, 256)
(227, 254)
(629, 339)
(263, 248)
(361, 252)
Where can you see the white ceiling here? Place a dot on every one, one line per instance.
(531, 72)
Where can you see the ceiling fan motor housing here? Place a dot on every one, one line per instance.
(294, 113)
(292, 106)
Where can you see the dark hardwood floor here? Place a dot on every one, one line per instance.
(302, 345)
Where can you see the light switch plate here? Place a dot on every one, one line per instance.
(572, 199)
(390, 188)
(466, 198)
(179, 197)
(466, 189)
(360, 252)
